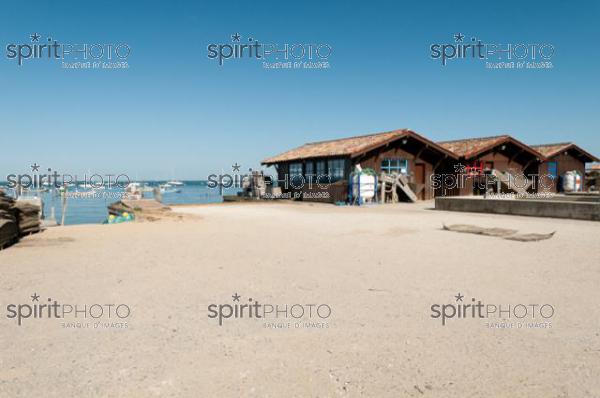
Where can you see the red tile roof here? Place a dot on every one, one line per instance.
(467, 148)
(352, 146)
(472, 147)
(550, 150)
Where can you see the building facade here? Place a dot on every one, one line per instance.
(394, 152)
(497, 155)
(561, 158)
(320, 171)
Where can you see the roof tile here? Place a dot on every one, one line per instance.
(346, 146)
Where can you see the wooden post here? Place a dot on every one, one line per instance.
(64, 206)
(157, 194)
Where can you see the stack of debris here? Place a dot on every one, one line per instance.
(592, 178)
(141, 210)
(9, 230)
(255, 186)
(28, 216)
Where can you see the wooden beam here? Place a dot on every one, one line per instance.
(435, 166)
(417, 156)
(528, 164)
(513, 157)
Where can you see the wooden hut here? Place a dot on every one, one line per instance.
(563, 157)
(498, 155)
(400, 152)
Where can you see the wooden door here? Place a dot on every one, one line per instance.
(420, 180)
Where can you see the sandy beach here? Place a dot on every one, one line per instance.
(379, 269)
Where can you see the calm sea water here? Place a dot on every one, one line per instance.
(93, 209)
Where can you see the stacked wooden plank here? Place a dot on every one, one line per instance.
(28, 217)
(9, 228)
(511, 183)
(395, 187)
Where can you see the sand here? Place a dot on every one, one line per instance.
(379, 269)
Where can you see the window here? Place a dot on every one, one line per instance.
(296, 178)
(309, 171)
(309, 168)
(321, 170)
(394, 166)
(295, 169)
(336, 169)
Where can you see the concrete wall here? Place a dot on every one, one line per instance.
(536, 208)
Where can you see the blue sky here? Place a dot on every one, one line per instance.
(176, 113)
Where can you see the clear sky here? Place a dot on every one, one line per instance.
(177, 113)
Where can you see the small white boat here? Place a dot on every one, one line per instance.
(175, 183)
(167, 188)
